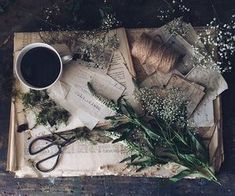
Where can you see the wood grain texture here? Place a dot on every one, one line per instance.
(135, 13)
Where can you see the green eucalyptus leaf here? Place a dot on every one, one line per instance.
(151, 134)
(180, 138)
(180, 175)
(198, 147)
(130, 158)
(111, 117)
(207, 173)
(129, 108)
(119, 127)
(119, 104)
(150, 144)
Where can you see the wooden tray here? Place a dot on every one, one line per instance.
(212, 135)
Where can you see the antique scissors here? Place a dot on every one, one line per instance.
(56, 141)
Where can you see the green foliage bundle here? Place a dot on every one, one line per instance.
(46, 110)
(155, 141)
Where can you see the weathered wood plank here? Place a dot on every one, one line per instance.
(113, 185)
(136, 13)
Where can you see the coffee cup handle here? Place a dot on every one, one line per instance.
(66, 59)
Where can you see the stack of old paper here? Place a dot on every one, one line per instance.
(192, 93)
(72, 93)
(84, 158)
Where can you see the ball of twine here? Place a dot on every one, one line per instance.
(155, 53)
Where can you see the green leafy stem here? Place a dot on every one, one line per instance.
(154, 142)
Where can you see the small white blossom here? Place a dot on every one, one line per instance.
(220, 37)
(167, 104)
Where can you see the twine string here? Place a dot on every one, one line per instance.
(155, 53)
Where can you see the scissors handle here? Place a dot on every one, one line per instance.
(41, 169)
(58, 140)
(51, 144)
(33, 142)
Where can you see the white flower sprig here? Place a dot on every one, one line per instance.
(175, 7)
(178, 26)
(220, 38)
(167, 104)
(109, 21)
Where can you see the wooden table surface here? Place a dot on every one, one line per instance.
(23, 16)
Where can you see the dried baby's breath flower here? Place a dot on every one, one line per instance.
(109, 21)
(174, 9)
(215, 44)
(50, 13)
(167, 104)
(108, 17)
(178, 26)
(220, 39)
(94, 46)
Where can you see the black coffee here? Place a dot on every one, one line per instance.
(40, 67)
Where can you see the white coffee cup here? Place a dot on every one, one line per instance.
(62, 60)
